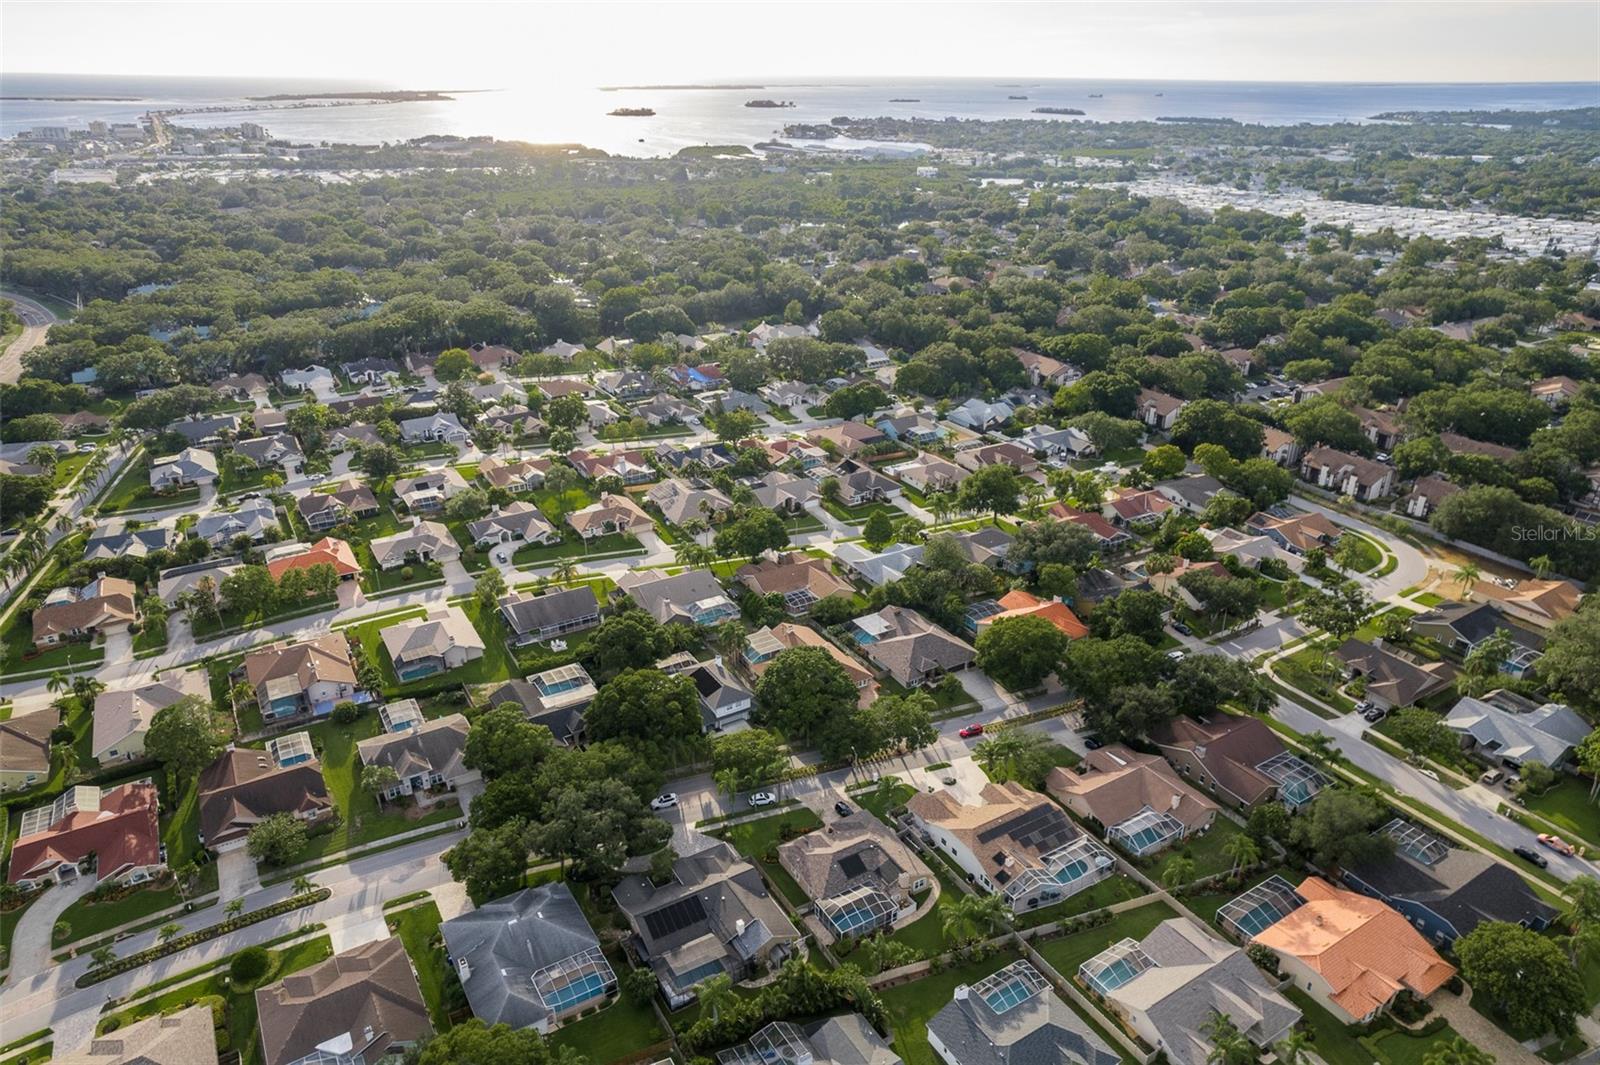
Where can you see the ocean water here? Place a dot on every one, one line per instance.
(686, 117)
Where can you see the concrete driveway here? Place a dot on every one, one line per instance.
(1269, 637)
(30, 943)
(236, 874)
(119, 646)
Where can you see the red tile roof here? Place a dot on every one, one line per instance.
(124, 832)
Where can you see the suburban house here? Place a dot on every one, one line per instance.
(928, 473)
(241, 386)
(1555, 392)
(349, 501)
(549, 615)
(182, 1038)
(118, 541)
(1250, 550)
(696, 378)
(665, 410)
(1504, 729)
(1352, 954)
(714, 915)
(1057, 445)
(530, 959)
(500, 394)
(555, 699)
(843, 1040)
(425, 757)
(878, 568)
(633, 467)
(327, 551)
(206, 430)
(858, 484)
(1426, 494)
(806, 455)
(857, 872)
(790, 394)
(267, 420)
(1330, 387)
(725, 703)
(802, 580)
(1279, 446)
(626, 384)
(517, 475)
(313, 378)
(1392, 681)
(370, 370)
(297, 678)
(255, 518)
(1463, 627)
(611, 514)
(1190, 494)
(980, 416)
(490, 358)
(104, 605)
(1169, 985)
(514, 522)
(25, 748)
(1457, 444)
(439, 426)
(987, 545)
(910, 648)
(1541, 603)
(1004, 453)
(515, 422)
(911, 427)
(1014, 1017)
(180, 581)
(363, 1005)
(1019, 603)
(786, 494)
(1013, 842)
(692, 597)
(429, 491)
(244, 787)
(191, 466)
(1346, 474)
(1170, 582)
(562, 349)
(1042, 370)
(1136, 507)
(263, 452)
(680, 459)
(1446, 891)
(680, 501)
(1107, 537)
(1301, 533)
(1223, 754)
(766, 643)
(425, 541)
(1382, 427)
(847, 437)
(119, 827)
(1157, 409)
(1142, 804)
(121, 718)
(443, 640)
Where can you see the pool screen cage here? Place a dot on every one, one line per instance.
(779, 1043)
(1115, 966)
(1259, 908)
(573, 980)
(1010, 987)
(1146, 832)
(1065, 871)
(1298, 781)
(1416, 843)
(859, 910)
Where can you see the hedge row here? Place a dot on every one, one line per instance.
(184, 942)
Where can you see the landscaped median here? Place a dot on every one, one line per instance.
(118, 966)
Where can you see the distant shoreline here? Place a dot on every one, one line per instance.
(77, 99)
(390, 97)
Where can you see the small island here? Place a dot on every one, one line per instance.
(632, 112)
(403, 96)
(1016, 97)
(769, 103)
(905, 99)
(1057, 111)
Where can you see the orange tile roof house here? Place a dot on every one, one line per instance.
(105, 604)
(120, 826)
(1020, 604)
(1352, 953)
(1142, 803)
(326, 551)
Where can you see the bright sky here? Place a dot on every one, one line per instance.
(488, 45)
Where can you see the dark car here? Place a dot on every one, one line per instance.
(1182, 629)
(842, 808)
(1528, 854)
(1094, 743)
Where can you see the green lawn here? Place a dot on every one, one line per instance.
(21, 657)
(1066, 953)
(576, 547)
(858, 515)
(758, 841)
(495, 664)
(238, 1030)
(926, 933)
(1365, 554)
(1205, 851)
(87, 919)
(132, 491)
(1206, 905)
(1409, 1048)
(1330, 1039)
(1114, 889)
(245, 479)
(1567, 806)
(150, 640)
(1304, 671)
(361, 819)
(418, 929)
(202, 628)
(374, 579)
(616, 1032)
(911, 1006)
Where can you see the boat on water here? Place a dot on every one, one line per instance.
(1016, 97)
(905, 99)
(632, 112)
(769, 103)
(1097, 95)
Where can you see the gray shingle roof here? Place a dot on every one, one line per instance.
(1044, 1030)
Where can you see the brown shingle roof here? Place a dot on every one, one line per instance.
(366, 998)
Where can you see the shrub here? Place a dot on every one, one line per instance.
(249, 966)
(407, 572)
(346, 712)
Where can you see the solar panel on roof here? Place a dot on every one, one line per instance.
(674, 917)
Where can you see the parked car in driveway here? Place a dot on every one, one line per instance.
(1182, 629)
(762, 798)
(1491, 777)
(1093, 743)
(1557, 844)
(971, 731)
(1528, 854)
(663, 802)
(842, 808)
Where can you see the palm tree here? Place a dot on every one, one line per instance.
(234, 908)
(991, 914)
(1585, 893)
(1243, 850)
(59, 682)
(86, 688)
(66, 756)
(942, 506)
(1320, 747)
(1035, 492)
(713, 992)
(1229, 1046)
(566, 570)
(1294, 1049)
(1465, 576)
(101, 957)
(303, 884)
(728, 638)
(1542, 565)
(1179, 871)
(168, 931)
(688, 553)
(998, 754)
(43, 455)
(1457, 1052)
(1583, 945)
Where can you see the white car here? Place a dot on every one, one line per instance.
(1176, 656)
(664, 802)
(762, 798)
